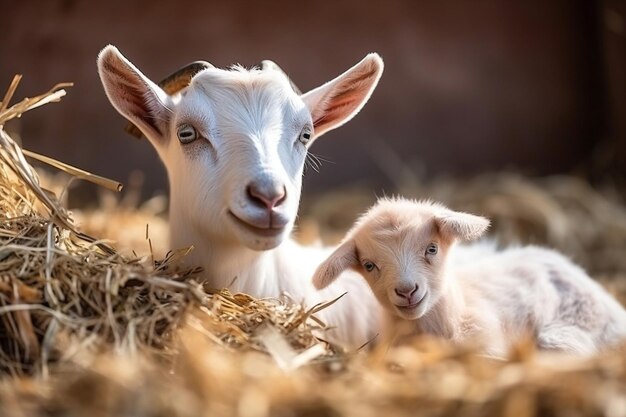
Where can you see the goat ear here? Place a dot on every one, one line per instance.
(339, 100)
(342, 258)
(462, 226)
(133, 95)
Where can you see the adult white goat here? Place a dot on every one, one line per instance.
(405, 251)
(234, 144)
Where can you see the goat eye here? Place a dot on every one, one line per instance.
(431, 249)
(186, 133)
(305, 135)
(369, 266)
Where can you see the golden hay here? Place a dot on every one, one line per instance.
(105, 334)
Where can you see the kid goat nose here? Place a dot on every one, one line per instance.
(266, 194)
(406, 292)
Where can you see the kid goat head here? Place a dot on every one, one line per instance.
(400, 247)
(234, 141)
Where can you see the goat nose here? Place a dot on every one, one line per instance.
(266, 195)
(406, 292)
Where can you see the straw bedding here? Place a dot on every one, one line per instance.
(87, 330)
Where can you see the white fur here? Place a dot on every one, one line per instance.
(495, 299)
(249, 122)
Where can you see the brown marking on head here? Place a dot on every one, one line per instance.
(172, 84)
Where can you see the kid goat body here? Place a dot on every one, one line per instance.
(406, 252)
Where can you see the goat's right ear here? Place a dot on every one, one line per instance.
(339, 100)
(342, 258)
(133, 95)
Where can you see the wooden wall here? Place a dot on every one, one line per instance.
(469, 85)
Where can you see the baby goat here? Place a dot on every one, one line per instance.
(405, 251)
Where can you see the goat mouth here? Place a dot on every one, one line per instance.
(412, 306)
(259, 231)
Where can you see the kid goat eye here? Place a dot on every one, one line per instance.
(431, 249)
(369, 266)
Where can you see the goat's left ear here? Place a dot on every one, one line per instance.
(339, 100)
(461, 226)
(342, 258)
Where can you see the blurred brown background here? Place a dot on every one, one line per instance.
(469, 86)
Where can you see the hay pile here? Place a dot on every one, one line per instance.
(85, 330)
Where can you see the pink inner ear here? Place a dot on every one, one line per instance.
(344, 99)
(132, 95)
(339, 107)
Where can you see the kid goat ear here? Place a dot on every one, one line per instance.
(463, 226)
(342, 258)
